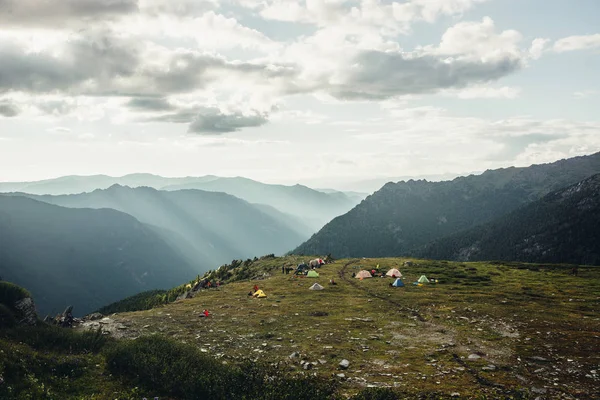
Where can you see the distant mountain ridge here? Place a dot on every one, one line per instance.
(207, 228)
(83, 257)
(404, 216)
(313, 207)
(562, 227)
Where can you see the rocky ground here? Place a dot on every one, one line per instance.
(496, 330)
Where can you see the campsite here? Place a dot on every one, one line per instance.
(501, 330)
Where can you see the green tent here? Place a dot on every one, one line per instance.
(423, 279)
(312, 274)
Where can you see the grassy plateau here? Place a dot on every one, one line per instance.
(485, 330)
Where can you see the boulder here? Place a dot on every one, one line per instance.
(94, 316)
(26, 308)
(185, 295)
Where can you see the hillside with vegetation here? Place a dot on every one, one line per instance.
(207, 228)
(401, 217)
(483, 330)
(560, 227)
(82, 257)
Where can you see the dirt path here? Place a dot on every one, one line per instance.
(414, 312)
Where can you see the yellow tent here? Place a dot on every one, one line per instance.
(259, 294)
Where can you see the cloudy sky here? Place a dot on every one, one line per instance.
(323, 92)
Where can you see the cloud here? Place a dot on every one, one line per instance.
(58, 13)
(150, 104)
(486, 92)
(470, 53)
(102, 63)
(379, 75)
(8, 109)
(213, 121)
(182, 8)
(573, 43)
(538, 46)
(585, 94)
(393, 17)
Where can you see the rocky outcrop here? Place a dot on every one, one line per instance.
(26, 309)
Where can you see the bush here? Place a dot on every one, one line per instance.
(7, 318)
(170, 368)
(376, 394)
(11, 293)
(174, 369)
(49, 337)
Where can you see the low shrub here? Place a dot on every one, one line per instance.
(376, 394)
(169, 368)
(11, 293)
(49, 337)
(7, 317)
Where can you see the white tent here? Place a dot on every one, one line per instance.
(316, 286)
(394, 272)
(363, 274)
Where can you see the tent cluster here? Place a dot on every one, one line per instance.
(391, 273)
(309, 269)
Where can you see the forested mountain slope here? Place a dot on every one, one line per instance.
(562, 227)
(403, 216)
(208, 228)
(82, 257)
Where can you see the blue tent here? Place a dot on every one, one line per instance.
(398, 283)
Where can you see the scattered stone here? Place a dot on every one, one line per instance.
(341, 376)
(307, 366)
(455, 394)
(344, 364)
(490, 367)
(539, 390)
(294, 355)
(322, 361)
(474, 357)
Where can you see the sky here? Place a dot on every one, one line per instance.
(321, 92)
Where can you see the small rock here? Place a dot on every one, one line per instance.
(344, 364)
(322, 361)
(538, 358)
(474, 357)
(307, 366)
(455, 394)
(341, 375)
(490, 367)
(539, 390)
(294, 355)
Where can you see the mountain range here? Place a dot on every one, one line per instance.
(207, 228)
(405, 216)
(82, 257)
(313, 207)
